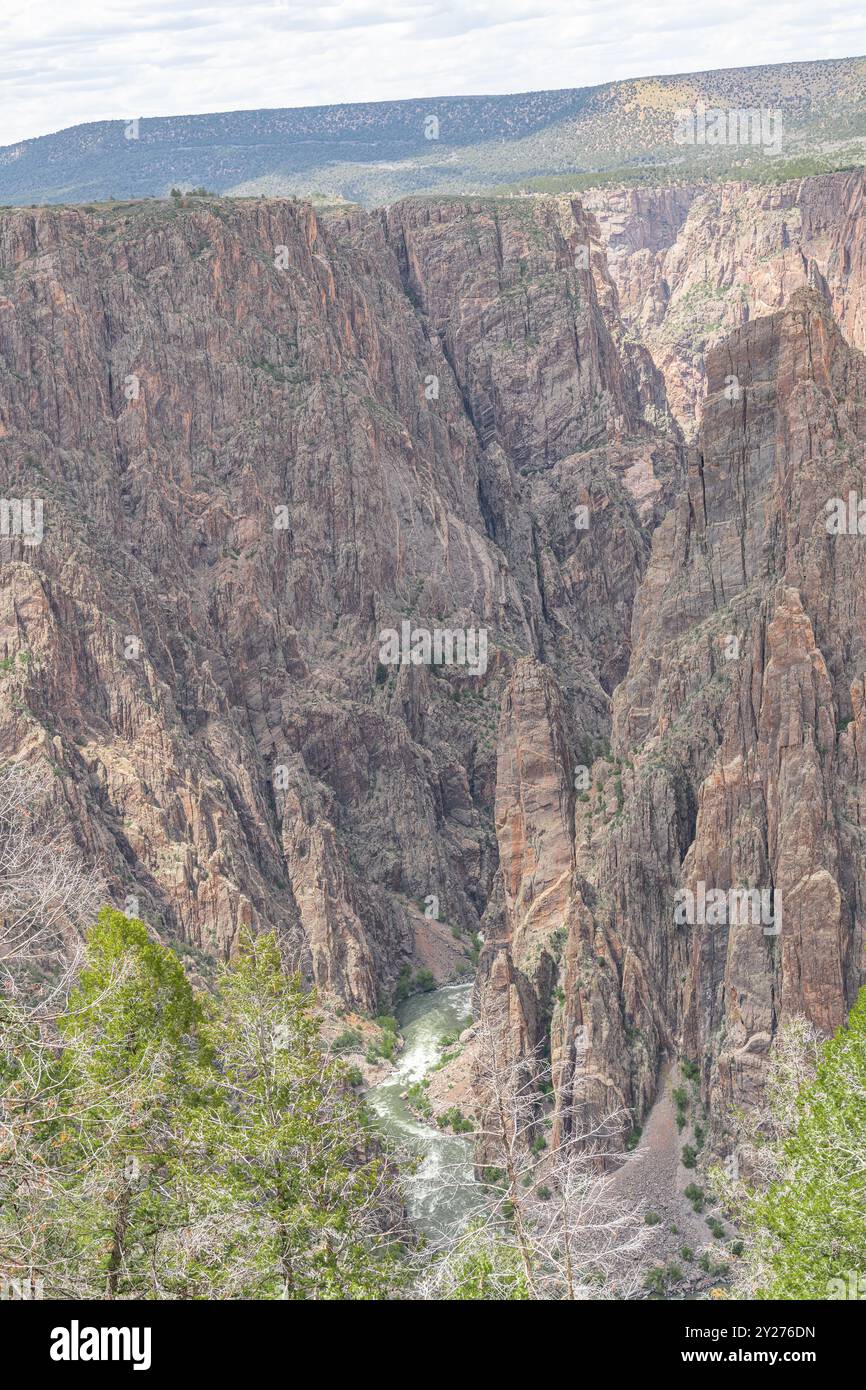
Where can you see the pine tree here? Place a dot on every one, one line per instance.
(291, 1197)
(128, 1039)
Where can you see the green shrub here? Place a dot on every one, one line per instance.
(455, 1118)
(417, 1096)
(404, 985)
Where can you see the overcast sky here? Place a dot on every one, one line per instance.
(87, 60)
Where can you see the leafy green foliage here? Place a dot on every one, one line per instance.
(193, 1148)
(808, 1226)
(488, 1270)
(348, 1041)
(279, 1157)
(127, 1039)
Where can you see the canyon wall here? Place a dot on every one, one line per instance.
(692, 262)
(263, 437)
(257, 450)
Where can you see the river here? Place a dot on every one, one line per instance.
(442, 1191)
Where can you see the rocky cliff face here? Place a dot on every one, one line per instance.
(265, 441)
(693, 262)
(734, 764)
(745, 691)
(261, 440)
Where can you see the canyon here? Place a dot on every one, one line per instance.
(264, 434)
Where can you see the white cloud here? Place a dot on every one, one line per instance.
(83, 62)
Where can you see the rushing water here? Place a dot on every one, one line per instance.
(441, 1192)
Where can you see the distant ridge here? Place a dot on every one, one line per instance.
(375, 152)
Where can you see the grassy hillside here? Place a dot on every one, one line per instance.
(378, 151)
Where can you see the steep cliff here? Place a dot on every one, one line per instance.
(745, 687)
(692, 262)
(735, 764)
(265, 440)
(260, 440)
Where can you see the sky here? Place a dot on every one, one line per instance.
(80, 60)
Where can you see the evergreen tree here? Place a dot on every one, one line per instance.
(128, 1038)
(291, 1196)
